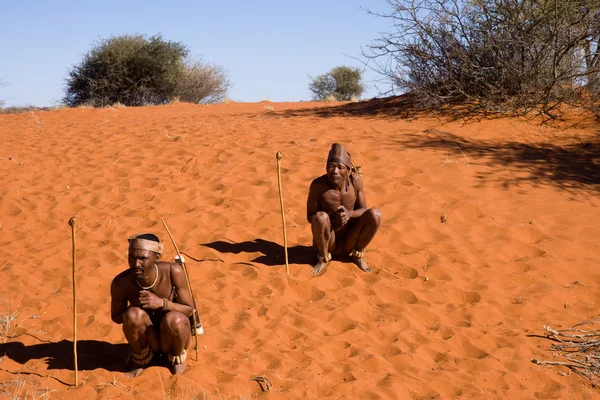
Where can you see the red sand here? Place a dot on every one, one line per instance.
(445, 313)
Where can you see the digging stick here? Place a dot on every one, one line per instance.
(73, 223)
(287, 266)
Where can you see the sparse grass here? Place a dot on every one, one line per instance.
(269, 108)
(116, 105)
(201, 394)
(85, 105)
(7, 324)
(22, 388)
(448, 160)
(20, 110)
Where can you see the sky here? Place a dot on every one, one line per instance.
(270, 49)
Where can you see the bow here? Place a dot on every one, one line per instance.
(187, 279)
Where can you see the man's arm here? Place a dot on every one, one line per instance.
(118, 301)
(184, 297)
(360, 206)
(312, 204)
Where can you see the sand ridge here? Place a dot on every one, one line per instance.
(445, 313)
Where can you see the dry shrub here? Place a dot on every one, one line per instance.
(501, 56)
(577, 348)
(203, 83)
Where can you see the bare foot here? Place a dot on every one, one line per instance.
(178, 368)
(135, 372)
(319, 268)
(360, 263)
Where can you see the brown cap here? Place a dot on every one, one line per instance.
(338, 153)
(136, 242)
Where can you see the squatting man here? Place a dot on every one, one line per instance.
(337, 211)
(153, 302)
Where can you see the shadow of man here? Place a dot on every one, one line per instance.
(273, 253)
(91, 354)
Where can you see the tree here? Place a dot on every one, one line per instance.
(135, 71)
(342, 83)
(203, 83)
(500, 55)
(2, 84)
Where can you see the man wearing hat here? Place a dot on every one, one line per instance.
(337, 211)
(152, 301)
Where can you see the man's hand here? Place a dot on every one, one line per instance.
(344, 215)
(150, 301)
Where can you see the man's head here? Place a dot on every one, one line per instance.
(144, 251)
(339, 164)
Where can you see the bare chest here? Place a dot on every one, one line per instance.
(332, 199)
(161, 289)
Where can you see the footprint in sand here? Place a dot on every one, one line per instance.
(403, 296)
(468, 297)
(472, 351)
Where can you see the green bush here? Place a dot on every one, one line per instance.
(134, 70)
(341, 83)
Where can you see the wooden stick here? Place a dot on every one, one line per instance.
(187, 278)
(287, 266)
(73, 223)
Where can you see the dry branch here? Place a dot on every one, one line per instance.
(579, 349)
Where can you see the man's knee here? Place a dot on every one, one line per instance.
(174, 321)
(320, 219)
(135, 317)
(374, 215)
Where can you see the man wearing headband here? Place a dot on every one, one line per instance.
(152, 301)
(337, 211)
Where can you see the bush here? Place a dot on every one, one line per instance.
(2, 84)
(500, 55)
(203, 83)
(134, 70)
(341, 83)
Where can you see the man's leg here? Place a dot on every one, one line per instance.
(360, 235)
(175, 332)
(323, 240)
(141, 336)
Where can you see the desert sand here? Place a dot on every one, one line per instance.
(490, 231)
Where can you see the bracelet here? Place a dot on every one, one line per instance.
(165, 304)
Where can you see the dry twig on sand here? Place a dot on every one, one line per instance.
(579, 348)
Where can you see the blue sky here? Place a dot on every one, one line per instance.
(269, 48)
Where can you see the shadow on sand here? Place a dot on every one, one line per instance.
(573, 166)
(273, 253)
(394, 107)
(91, 354)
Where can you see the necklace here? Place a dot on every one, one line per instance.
(153, 283)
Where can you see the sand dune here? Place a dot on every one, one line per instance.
(490, 231)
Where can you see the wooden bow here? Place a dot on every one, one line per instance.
(187, 278)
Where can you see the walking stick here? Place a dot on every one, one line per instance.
(287, 266)
(187, 279)
(73, 223)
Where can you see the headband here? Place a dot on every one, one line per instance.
(144, 244)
